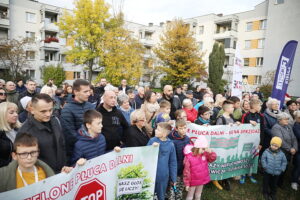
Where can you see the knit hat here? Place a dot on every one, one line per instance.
(276, 140)
(201, 142)
(24, 101)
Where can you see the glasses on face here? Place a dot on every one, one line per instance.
(26, 154)
(2, 93)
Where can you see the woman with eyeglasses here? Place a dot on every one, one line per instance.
(2, 95)
(8, 130)
(136, 134)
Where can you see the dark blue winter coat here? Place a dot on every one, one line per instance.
(71, 121)
(270, 121)
(88, 147)
(296, 129)
(180, 143)
(166, 166)
(274, 163)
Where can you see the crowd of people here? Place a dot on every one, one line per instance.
(49, 130)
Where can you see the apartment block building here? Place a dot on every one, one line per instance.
(259, 34)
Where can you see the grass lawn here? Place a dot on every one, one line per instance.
(249, 191)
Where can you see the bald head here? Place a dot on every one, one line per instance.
(10, 86)
(109, 99)
(168, 91)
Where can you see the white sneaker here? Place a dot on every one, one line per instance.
(294, 186)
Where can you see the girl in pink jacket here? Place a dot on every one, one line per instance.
(196, 172)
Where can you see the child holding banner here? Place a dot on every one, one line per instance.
(274, 163)
(196, 171)
(167, 163)
(26, 169)
(226, 119)
(254, 117)
(203, 117)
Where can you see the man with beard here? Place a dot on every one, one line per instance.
(174, 101)
(46, 127)
(99, 90)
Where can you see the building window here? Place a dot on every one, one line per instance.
(246, 62)
(201, 45)
(279, 1)
(261, 43)
(30, 55)
(76, 75)
(141, 35)
(257, 80)
(49, 56)
(30, 73)
(234, 44)
(249, 26)
(30, 17)
(86, 75)
(259, 61)
(201, 30)
(263, 24)
(247, 44)
(30, 35)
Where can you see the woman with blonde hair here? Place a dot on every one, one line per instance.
(271, 114)
(8, 130)
(150, 108)
(136, 134)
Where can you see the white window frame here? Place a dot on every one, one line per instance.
(257, 80)
(249, 44)
(76, 75)
(259, 61)
(249, 25)
(263, 24)
(30, 17)
(30, 35)
(201, 30)
(261, 43)
(30, 73)
(30, 55)
(248, 62)
(201, 45)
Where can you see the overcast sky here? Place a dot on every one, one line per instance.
(156, 11)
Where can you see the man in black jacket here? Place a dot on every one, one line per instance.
(43, 125)
(72, 113)
(124, 87)
(114, 123)
(174, 101)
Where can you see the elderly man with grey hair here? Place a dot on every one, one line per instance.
(289, 145)
(124, 106)
(2, 83)
(139, 97)
(190, 111)
(11, 93)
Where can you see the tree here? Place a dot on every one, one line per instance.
(101, 40)
(54, 72)
(13, 57)
(179, 54)
(86, 26)
(215, 69)
(123, 55)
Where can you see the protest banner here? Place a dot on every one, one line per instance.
(129, 174)
(284, 70)
(236, 148)
(237, 79)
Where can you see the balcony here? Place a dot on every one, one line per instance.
(225, 34)
(229, 51)
(48, 26)
(5, 2)
(4, 18)
(48, 44)
(147, 42)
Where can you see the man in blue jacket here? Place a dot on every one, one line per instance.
(72, 113)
